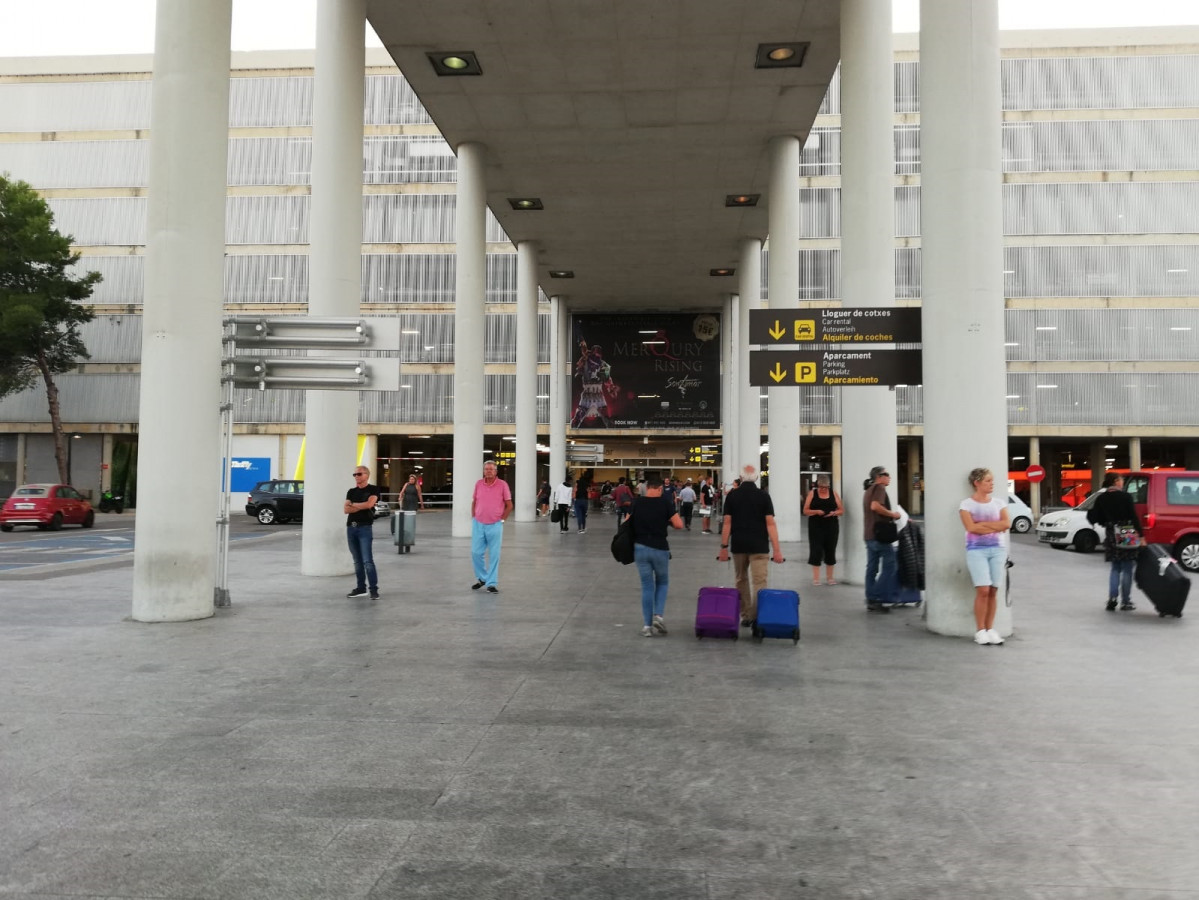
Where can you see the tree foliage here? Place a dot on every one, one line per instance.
(40, 299)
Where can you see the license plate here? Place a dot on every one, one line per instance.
(1043, 537)
(23, 506)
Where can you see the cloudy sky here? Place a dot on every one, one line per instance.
(66, 27)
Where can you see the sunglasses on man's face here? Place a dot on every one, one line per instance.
(359, 474)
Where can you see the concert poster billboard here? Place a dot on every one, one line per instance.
(645, 371)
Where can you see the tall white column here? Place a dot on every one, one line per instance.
(749, 396)
(526, 382)
(469, 332)
(783, 427)
(729, 447)
(334, 281)
(1134, 453)
(559, 389)
(174, 564)
(1034, 487)
(965, 413)
(869, 436)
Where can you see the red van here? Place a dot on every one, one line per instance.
(1168, 504)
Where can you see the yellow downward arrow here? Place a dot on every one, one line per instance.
(778, 373)
(778, 330)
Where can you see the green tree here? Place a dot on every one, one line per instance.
(41, 305)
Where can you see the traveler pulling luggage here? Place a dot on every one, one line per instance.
(1162, 580)
(718, 612)
(778, 615)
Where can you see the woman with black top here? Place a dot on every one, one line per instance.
(651, 514)
(1115, 511)
(823, 507)
(410, 496)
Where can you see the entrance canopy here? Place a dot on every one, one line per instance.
(629, 121)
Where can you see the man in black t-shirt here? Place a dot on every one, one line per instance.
(750, 531)
(360, 516)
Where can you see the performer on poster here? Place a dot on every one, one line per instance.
(596, 374)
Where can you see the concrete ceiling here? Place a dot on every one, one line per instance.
(631, 120)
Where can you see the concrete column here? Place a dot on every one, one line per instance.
(916, 505)
(868, 429)
(106, 463)
(1034, 487)
(1134, 453)
(174, 565)
(1097, 454)
(784, 294)
(559, 390)
(965, 413)
(469, 332)
(749, 396)
(526, 382)
(335, 265)
(838, 465)
(730, 448)
(20, 474)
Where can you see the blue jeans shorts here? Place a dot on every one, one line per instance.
(986, 565)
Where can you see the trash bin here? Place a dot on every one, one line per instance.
(403, 529)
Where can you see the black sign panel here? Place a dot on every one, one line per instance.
(850, 325)
(646, 371)
(843, 367)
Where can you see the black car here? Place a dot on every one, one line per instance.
(281, 501)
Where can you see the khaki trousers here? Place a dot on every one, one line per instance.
(750, 567)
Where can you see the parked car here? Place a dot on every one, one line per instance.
(1019, 514)
(46, 506)
(1168, 504)
(283, 500)
(1062, 528)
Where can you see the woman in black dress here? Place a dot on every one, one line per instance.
(823, 507)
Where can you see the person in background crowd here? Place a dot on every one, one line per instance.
(1114, 510)
(490, 507)
(543, 500)
(582, 501)
(686, 503)
(823, 508)
(622, 498)
(649, 518)
(876, 510)
(707, 497)
(985, 520)
(411, 498)
(360, 517)
(563, 497)
(749, 529)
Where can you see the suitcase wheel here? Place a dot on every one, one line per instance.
(756, 632)
(795, 636)
(699, 635)
(736, 636)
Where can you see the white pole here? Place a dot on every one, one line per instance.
(526, 382)
(783, 427)
(335, 265)
(469, 332)
(867, 250)
(174, 565)
(559, 389)
(749, 397)
(730, 450)
(965, 413)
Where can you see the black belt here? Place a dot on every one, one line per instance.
(359, 524)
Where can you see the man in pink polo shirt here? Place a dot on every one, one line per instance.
(489, 509)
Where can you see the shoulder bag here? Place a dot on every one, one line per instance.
(622, 543)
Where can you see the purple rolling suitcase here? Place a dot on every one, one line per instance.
(718, 612)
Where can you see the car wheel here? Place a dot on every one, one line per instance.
(5, 528)
(1022, 525)
(1186, 552)
(89, 520)
(56, 522)
(1085, 540)
(266, 515)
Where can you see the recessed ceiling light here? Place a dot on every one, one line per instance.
(721, 273)
(521, 203)
(561, 273)
(455, 62)
(781, 55)
(741, 199)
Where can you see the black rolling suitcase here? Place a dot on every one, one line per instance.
(1162, 579)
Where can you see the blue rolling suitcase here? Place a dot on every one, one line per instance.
(778, 615)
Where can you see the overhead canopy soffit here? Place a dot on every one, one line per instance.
(631, 120)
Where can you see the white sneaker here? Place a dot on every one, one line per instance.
(983, 637)
(659, 626)
(993, 637)
(647, 632)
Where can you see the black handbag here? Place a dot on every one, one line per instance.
(622, 543)
(885, 531)
(556, 515)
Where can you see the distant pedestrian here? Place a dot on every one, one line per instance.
(543, 499)
(707, 497)
(1122, 538)
(985, 521)
(490, 506)
(622, 499)
(687, 503)
(749, 530)
(411, 498)
(880, 533)
(823, 508)
(563, 496)
(650, 516)
(582, 500)
(360, 517)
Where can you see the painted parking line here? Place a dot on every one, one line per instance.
(29, 555)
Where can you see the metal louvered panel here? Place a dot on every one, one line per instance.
(1103, 82)
(1102, 399)
(266, 220)
(75, 106)
(1101, 208)
(499, 399)
(113, 339)
(831, 104)
(94, 398)
(1102, 334)
(1102, 271)
(77, 164)
(1121, 144)
(99, 222)
(124, 278)
(270, 102)
(390, 100)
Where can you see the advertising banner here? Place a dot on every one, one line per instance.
(659, 372)
(246, 471)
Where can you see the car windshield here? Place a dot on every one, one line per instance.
(1090, 501)
(32, 490)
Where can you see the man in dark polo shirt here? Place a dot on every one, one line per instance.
(750, 532)
(360, 516)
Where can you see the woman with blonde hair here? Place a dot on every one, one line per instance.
(985, 520)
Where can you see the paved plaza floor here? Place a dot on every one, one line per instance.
(454, 744)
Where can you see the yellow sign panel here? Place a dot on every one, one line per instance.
(805, 329)
(805, 373)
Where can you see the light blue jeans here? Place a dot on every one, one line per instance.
(485, 541)
(881, 587)
(654, 566)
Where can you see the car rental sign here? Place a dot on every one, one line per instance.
(849, 325)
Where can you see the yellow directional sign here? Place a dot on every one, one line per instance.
(863, 325)
(835, 367)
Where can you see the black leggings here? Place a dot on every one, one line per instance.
(823, 539)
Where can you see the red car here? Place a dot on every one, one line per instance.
(46, 506)
(1167, 500)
